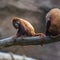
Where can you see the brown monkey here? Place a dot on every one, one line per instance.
(25, 28)
(53, 22)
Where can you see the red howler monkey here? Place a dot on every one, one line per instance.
(53, 22)
(25, 28)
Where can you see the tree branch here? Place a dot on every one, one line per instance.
(36, 40)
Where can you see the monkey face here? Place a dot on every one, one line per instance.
(16, 24)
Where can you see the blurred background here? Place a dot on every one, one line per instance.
(33, 11)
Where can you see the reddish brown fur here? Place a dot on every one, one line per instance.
(54, 16)
(28, 28)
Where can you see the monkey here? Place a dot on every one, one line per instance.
(25, 28)
(53, 22)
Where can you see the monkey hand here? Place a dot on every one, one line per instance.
(42, 35)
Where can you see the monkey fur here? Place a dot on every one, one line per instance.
(24, 28)
(53, 22)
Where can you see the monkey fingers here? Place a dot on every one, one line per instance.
(42, 35)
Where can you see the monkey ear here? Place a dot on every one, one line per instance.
(16, 24)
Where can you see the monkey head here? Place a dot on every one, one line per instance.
(16, 23)
(53, 22)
